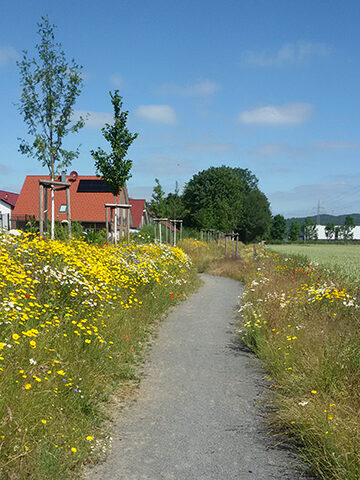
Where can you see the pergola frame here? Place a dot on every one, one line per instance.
(174, 224)
(113, 209)
(44, 186)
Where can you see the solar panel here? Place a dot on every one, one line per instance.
(93, 186)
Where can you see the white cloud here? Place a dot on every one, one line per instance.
(157, 113)
(214, 147)
(116, 81)
(335, 145)
(205, 88)
(93, 120)
(277, 115)
(288, 53)
(7, 54)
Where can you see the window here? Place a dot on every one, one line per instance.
(62, 208)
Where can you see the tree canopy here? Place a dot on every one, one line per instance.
(50, 86)
(278, 228)
(114, 167)
(227, 199)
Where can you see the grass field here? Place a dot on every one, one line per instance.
(346, 258)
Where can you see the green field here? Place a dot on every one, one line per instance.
(345, 258)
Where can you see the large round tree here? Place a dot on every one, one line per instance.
(227, 199)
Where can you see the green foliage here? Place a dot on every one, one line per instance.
(157, 203)
(330, 230)
(278, 228)
(227, 199)
(309, 229)
(294, 231)
(346, 229)
(50, 86)
(113, 167)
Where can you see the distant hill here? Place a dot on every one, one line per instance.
(324, 219)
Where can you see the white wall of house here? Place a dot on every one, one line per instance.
(321, 232)
(5, 210)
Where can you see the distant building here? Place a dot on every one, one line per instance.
(7, 204)
(88, 196)
(321, 232)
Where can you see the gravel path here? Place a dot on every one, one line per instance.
(199, 412)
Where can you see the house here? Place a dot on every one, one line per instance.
(139, 214)
(7, 204)
(88, 196)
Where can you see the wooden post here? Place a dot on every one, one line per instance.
(181, 230)
(107, 223)
(236, 248)
(226, 245)
(68, 211)
(46, 226)
(154, 231)
(232, 244)
(175, 224)
(127, 226)
(166, 233)
(41, 209)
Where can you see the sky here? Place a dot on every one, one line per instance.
(268, 85)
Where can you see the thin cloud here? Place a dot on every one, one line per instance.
(211, 147)
(205, 88)
(116, 81)
(277, 115)
(4, 170)
(7, 55)
(93, 120)
(289, 53)
(269, 150)
(303, 199)
(335, 145)
(157, 114)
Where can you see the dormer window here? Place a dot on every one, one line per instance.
(62, 208)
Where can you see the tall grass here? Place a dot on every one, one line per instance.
(202, 254)
(302, 320)
(74, 322)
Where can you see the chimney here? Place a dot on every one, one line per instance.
(63, 176)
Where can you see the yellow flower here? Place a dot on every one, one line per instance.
(2, 345)
(89, 437)
(15, 336)
(60, 372)
(87, 341)
(313, 391)
(73, 449)
(32, 344)
(27, 386)
(43, 421)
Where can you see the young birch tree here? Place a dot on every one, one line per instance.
(114, 167)
(50, 86)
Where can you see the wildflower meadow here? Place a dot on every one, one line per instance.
(302, 320)
(75, 318)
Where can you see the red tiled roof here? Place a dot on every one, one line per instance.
(9, 197)
(137, 208)
(85, 207)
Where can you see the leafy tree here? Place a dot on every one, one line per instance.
(346, 229)
(114, 167)
(256, 221)
(294, 231)
(309, 229)
(330, 230)
(157, 202)
(278, 228)
(50, 86)
(227, 199)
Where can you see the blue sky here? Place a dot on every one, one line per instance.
(271, 85)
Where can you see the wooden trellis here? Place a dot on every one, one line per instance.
(44, 186)
(123, 227)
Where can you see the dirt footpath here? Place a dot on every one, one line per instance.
(199, 414)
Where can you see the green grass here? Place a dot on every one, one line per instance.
(346, 258)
